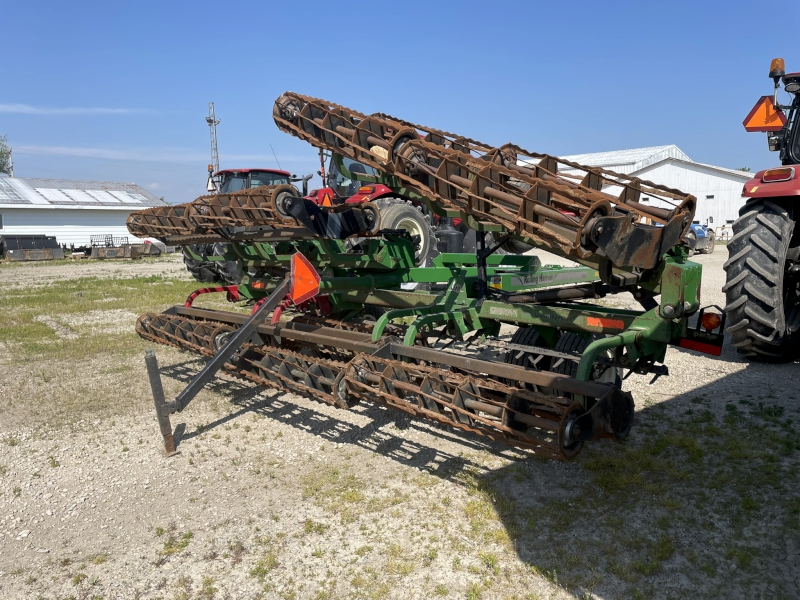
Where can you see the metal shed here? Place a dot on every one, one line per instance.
(718, 190)
(72, 211)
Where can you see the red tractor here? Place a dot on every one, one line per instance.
(346, 181)
(231, 180)
(763, 271)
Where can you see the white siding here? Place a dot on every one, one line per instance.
(69, 226)
(701, 181)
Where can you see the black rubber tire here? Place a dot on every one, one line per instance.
(394, 211)
(755, 292)
(513, 246)
(227, 272)
(712, 241)
(572, 342)
(527, 336)
(202, 271)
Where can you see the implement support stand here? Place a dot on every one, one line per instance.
(158, 398)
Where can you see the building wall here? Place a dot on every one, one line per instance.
(701, 182)
(70, 226)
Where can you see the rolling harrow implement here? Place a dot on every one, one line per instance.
(341, 314)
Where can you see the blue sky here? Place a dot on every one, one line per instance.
(119, 91)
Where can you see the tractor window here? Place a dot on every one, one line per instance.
(258, 178)
(233, 182)
(344, 186)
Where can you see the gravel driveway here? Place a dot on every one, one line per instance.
(276, 496)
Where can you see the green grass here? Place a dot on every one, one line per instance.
(28, 337)
(174, 543)
(337, 491)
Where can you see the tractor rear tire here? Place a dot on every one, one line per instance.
(763, 305)
(201, 270)
(397, 213)
(230, 273)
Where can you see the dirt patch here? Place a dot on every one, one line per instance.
(102, 322)
(65, 333)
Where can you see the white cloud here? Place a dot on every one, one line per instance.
(154, 186)
(169, 155)
(25, 109)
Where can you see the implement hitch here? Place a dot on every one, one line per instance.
(301, 284)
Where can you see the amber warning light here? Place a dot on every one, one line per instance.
(780, 174)
(764, 116)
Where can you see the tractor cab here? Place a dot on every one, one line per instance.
(234, 180)
(343, 179)
(348, 181)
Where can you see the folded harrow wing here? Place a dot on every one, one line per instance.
(340, 313)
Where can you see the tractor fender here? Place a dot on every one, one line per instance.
(756, 188)
(378, 191)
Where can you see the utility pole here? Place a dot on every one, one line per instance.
(212, 121)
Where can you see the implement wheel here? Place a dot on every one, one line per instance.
(712, 241)
(396, 213)
(763, 304)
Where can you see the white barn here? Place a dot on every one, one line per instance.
(72, 211)
(718, 190)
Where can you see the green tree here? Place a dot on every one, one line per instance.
(5, 156)
(745, 169)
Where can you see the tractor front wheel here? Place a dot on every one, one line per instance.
(762, 293)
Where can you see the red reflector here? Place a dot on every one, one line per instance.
(366, 189)
(305, 279)
(605, 323)
(710, 321)
(782, 174)
(701, 347)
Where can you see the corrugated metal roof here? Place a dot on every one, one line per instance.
(73, 194)
(628, 161)
(744, 175)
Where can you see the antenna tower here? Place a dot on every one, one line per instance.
(213, 121)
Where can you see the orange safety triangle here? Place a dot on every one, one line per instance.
(764, 116)
(305, 279)
(326, 200)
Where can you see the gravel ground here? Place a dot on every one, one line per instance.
(275, 496)
(20, 275)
